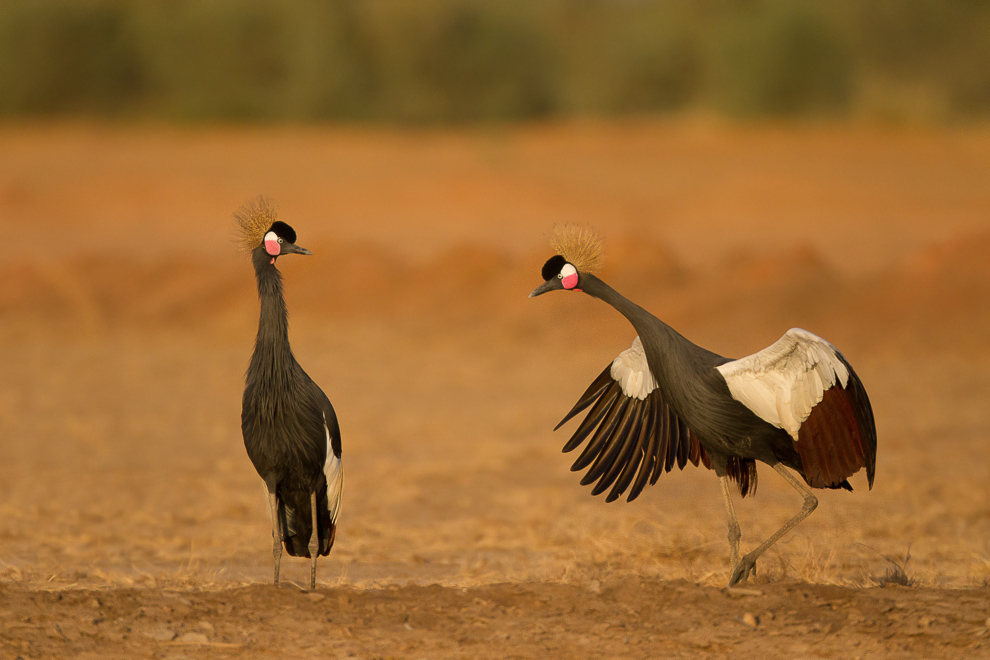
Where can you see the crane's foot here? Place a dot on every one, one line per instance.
(742, 571)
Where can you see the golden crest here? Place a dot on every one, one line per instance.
(253, 221)
(580, 245)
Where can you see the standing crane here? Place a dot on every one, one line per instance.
(796, 404)
(289, 427)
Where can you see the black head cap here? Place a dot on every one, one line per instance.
(552, 267)
(283, 231)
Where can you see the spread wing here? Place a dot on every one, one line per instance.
(633, 435)
(803, 385)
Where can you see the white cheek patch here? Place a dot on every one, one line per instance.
(271, 244)
(569, 276)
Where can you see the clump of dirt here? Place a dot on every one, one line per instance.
(630, 618)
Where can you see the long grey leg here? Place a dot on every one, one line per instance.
(276, 533)
(734, 533)
(742, 571)
(314, 541)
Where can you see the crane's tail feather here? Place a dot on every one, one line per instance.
(297, 521)
(743, 472)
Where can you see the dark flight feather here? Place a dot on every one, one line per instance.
(633, 441)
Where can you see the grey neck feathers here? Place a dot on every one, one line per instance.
(644, 322)
(680, 357)
(271, 349)
(684, 371)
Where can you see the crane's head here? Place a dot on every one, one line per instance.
(281, 239)
(261, 231)
(558, 273)
(579, 252)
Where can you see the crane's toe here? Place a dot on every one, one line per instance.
(742, 571)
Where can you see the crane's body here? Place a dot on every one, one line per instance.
(797, 404)
(289, 427)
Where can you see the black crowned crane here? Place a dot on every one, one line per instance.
(796, 404)
(290, 429)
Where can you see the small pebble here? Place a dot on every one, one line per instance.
(750, 619)
(193, 638)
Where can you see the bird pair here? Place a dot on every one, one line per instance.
(797, 404)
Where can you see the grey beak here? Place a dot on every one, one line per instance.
(292, 248)
(543, 288)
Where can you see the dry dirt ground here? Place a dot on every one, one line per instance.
(133, 525)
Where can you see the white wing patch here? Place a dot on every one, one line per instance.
(633, 373)
(783, 382)
(334, 471)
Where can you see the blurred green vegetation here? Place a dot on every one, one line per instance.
(440, 61)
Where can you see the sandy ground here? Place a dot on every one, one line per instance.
(133, 525)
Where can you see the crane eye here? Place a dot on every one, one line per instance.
(560, 276)
(280, 240)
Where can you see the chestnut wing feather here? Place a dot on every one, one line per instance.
(839, 437)
(803, 385)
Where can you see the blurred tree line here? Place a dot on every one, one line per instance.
(437, 61)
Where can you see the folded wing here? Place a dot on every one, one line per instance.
(333, 469)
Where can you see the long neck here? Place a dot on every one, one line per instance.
(685, 373)
(642, 320)
(679, 354)
(271, 349)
